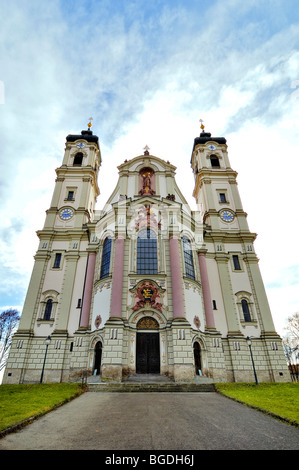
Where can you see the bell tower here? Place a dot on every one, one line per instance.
(76, 188)
(58, 299)
(216, 189)
(237, 291)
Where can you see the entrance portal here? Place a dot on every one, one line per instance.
(98, 357)
(147, 353)
(197, 359)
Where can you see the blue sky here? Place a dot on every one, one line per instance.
(147, 72)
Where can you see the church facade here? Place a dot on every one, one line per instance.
(146, 285)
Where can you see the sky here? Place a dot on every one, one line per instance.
(146, 72)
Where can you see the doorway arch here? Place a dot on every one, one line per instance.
(197, 358)
(147, 346)
(97, 358)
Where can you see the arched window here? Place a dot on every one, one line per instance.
(214, 161)
(106, 254)
(188, 258)
(147, 262)
(246, 311)
(48, 309)
(78, 159)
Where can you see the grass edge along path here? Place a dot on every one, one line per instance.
(21, 404)
(278, 400)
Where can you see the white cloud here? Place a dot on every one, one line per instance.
(147, 73)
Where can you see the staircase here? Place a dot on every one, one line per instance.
(150, 383)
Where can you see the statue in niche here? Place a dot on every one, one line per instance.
(147, 182)
(147, 174)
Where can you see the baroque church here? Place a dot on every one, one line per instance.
(146, 285)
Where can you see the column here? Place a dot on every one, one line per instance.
(117, 279)
(87, 295)
(176, 279)
(206, 290)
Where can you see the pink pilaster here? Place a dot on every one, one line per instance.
(84, 322)
(117, 279)
(176, 279)
(206, 290)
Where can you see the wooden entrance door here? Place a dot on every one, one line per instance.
(147, 353)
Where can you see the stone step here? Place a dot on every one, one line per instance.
(150, 387)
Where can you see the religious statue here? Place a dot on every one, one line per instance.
(147, 182)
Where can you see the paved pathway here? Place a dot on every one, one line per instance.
(153, 421)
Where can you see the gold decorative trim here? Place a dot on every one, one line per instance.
(147, 323)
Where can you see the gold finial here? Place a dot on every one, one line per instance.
(89, 124)
(146, 150)
(202, 126)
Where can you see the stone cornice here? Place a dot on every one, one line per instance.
(63, 235)
(65, 172)
(217, 172)
(229, 236)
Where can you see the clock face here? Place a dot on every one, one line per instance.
(227, 215)
(212, 147)
(66, 214)
(80, 145)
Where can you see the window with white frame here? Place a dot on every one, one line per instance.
(245, 310)
(246, 307)
(49, 301)
(48, 309)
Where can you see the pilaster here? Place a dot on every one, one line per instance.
(117, 278)
(33, 293)
(210, 322)
(227, 294)
(87, 295)
(112, 358)
(176, 279)
(261, 296)
(61, 323)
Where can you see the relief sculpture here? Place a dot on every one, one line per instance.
(147, 294)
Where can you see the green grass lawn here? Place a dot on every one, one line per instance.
(281, 400)
(18, 403)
